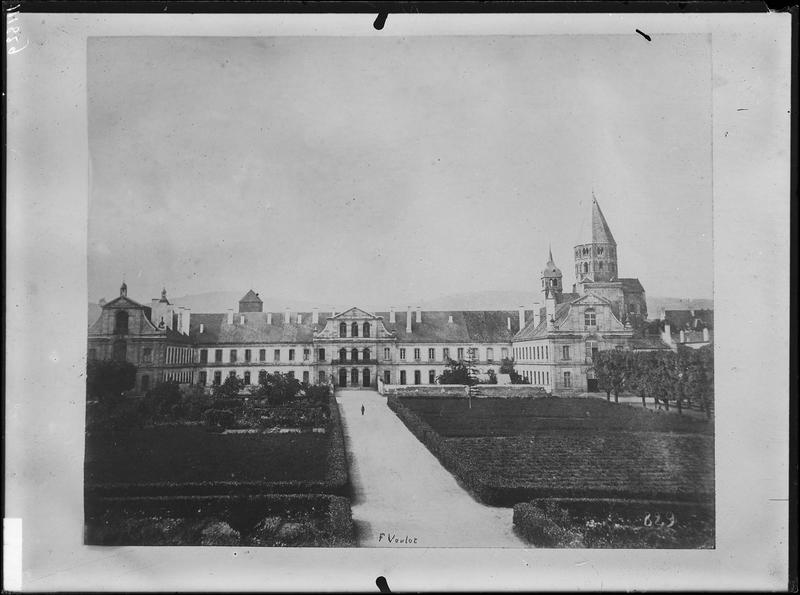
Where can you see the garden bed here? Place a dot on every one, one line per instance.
(601, 523)
(265, 520)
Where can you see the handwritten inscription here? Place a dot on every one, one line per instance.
(396, 538)
(15, 40)
(657, 521)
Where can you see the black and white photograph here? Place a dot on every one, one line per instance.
(408, 290)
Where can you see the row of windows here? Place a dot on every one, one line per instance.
(366, 330)
(600, 266)
(175, 355)
(233, 355)
(262, 374)
(599, 250)
(460, 352)
(532, 352)
(537, 377)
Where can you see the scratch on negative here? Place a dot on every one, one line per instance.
(645, 35)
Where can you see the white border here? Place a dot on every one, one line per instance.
(46, 322)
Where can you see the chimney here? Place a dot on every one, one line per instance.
(419, 314)
(230, 315)
(202, 328)
(333, 313)
(299, 319)
(241, 319)
(287, 318)
(522, 317)
(269, 317)
(392, 317)
(450, 319)
(315, 316)
(508, 322)
(102, 302)
(187, 317)
(663, 314)
(705, 334)
(683, 337)
(408, 320)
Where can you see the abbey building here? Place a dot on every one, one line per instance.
(552, 346)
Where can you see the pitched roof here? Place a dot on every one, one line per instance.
(251, 296)
(468, 326)
(631, 285)
(648, 343)
(684, 319)
(534, 331)
(255, 328)
(601, 233)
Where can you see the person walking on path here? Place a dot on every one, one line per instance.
(362, 409)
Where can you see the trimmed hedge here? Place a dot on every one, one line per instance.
(569, 463)
(614, 523)
(304, 519)
(337, 480)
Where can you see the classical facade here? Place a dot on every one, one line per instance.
(552, 347)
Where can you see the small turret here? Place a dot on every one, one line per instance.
(552, 278)
(123, 289)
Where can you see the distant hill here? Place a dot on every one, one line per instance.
(220, 301)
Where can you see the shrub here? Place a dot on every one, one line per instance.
(219, 418)
(108, 379)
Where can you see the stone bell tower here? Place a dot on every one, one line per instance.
(596, 262)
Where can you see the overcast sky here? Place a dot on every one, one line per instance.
(395, 170)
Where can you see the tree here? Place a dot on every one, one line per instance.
(639, 373)
(164, 399)
(507, 367)
(612, 368)
(107, 379)
(492, 376)
(278, 388)
(228, 389)
(457, 372)
(697, 375)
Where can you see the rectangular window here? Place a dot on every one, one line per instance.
(290, 374)
(546, 352)
(567, 379)
(386, 353)
(217, 378)
(233, 356)
(306, 354)
(203, 378)
(431, 376)
(565, 352)
(504, 352)
(232, 373)
(321, 355)
(276, 356)
(402, 355)
(247, 377)
(589, 318)
(247, 355)
(402, 376)
(416, 353)
(460, 353)
(291, 355)
(489, 354)
(446, 353)
(218, 356)
(204, 356)
(431, 353)
(305, 376)
(321, 379)
(262, 355)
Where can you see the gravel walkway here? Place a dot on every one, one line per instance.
(403, 497)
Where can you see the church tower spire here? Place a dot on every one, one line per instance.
(552, 278)
(596, 262)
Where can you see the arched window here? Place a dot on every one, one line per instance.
(343, 329)
(354, 354)
(354, 329)
(121, 323)
(342, 354)
(354, 376)
(366, 354)
(366, 329)
(342, 377)
(585, 267)
(387, 377)
(601, 265)
(365, 378)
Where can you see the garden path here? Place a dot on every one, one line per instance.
(401, 489)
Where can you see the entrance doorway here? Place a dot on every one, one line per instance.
(354, 377)
(365, 378)
(343, 377)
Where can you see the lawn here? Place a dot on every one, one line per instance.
(190, 454)
(452, 417)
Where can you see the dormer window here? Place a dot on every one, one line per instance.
(589, 317)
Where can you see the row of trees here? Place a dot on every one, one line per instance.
(466, 372)
(667, 377)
